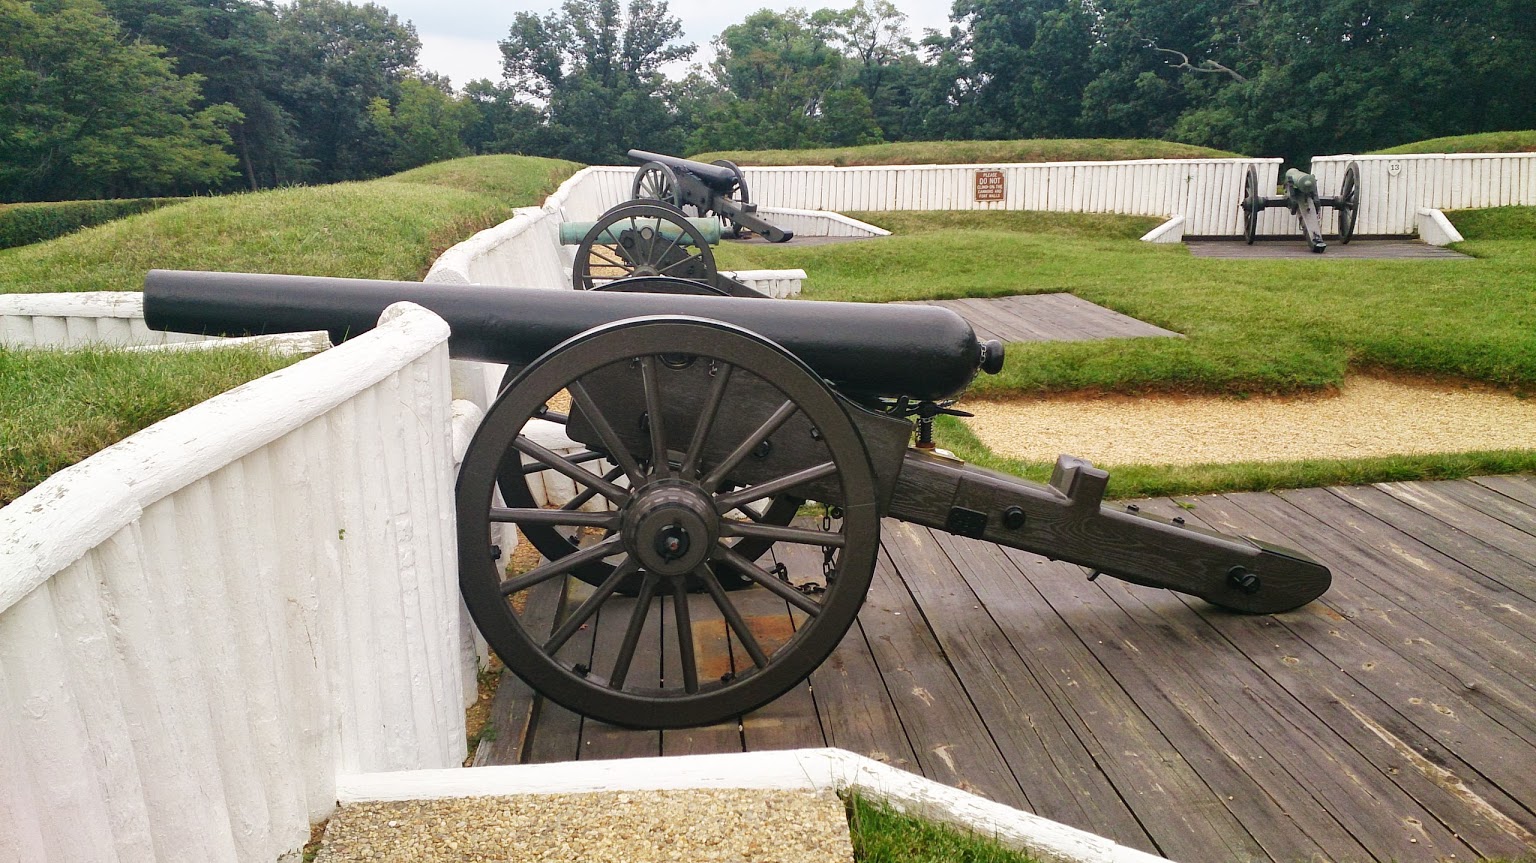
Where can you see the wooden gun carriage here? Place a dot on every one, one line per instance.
(701, 427)
(718, 188)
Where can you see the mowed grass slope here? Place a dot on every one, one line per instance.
(1259, 326)
(57, 407)
(1485, 142)
(975, 152)
(1252, 326)
(391, 228)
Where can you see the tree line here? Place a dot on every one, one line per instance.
(102, 98)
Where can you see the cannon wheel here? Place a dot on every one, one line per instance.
(740, 195)
(731, 652)
(1349, 202)
(553, 545)
(1251, 205)
(643, 249)
(656, 182)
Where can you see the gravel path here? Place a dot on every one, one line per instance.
(1368, 417)
(703, 826)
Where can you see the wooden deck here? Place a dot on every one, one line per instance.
(1296, 247)
(1047, 318)
(1395, 719)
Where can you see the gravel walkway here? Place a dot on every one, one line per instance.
(1368, 417)
(703, 826)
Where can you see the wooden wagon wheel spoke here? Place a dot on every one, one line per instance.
(745, 448)
(584, 612)
(575, 472)
(783, 432)
(554, 568)
(735, 499)
(619, 453)
(799, 535)
(732, 616)
(578, 458)
(706, 421)
(560, 517)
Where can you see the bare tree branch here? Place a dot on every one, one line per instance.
(1207, 66)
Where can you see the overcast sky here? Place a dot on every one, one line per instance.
(458, 37)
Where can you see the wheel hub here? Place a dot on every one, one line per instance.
(670, 526)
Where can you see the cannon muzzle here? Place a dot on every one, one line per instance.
(864, 349)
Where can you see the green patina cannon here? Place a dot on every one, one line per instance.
(648, 239)
(1302, 199)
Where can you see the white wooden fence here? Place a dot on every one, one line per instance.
(69, 320)
(1205, 191)
(1393, 189)
(203, 625)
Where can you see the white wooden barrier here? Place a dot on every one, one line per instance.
(204, 624)
(835, 770)
(1393, 189)
(76, 319)
(1205, 191)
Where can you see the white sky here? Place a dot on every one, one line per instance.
(458, 38)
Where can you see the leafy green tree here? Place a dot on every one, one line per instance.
(424, 127)
(594, 69)
(1030, 62)
(85, 114)
(231, 45)
(337, 59)
(783, 82)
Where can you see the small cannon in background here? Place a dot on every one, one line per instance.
(699, 428)
(717, 188)
(647, 239)
(1302, 199)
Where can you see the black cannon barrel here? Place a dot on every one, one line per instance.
(923, 352)
(717, 177)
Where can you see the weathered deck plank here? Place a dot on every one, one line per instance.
(1394, 719)
(1047, 317)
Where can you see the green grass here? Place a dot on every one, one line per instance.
(974, 152)
(882, 835)
(1259, 326)
(61, 406)
(1139, 480)
(1486, 142)
(391, 228)
(1252, 326)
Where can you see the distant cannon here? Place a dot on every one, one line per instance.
(1302, 199)
(648, 239)
(699, 426)
(718, 188)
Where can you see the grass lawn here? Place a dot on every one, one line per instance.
(61, 406)
(1486, 142)
(1259, 326)
(972, 152)
(882, 835)
(391, 228)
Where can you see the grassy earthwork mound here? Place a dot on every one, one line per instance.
(390, 228)
(1486, 142)
(975, 152)
(59, 407)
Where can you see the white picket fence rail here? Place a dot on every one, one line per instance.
(204, 624)
(1205, 191)
(75, 319)
(1393, 189)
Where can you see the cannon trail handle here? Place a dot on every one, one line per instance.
(1066, 520)
(747, 218)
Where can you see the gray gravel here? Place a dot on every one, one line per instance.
(696, 826)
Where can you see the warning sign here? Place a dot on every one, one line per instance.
(989, 185)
